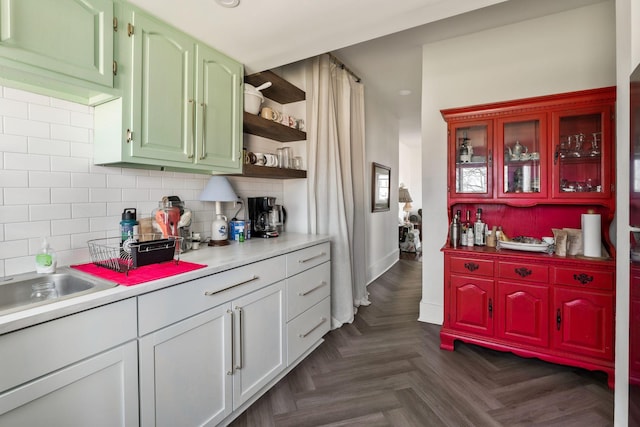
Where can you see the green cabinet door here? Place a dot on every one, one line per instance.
(162, 92)
(73, 38)
(219, 95)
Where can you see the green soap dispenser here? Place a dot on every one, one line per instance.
(46, 259)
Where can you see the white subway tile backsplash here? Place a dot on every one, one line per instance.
(121, 181)
(108, 224)
(81, 120)
(88, 180)
(69, 226)
(69, 164)
(12, 108)
(69, 195)
(19, 265)
(105, 195)
(71, 106)
(49, 147)
(81, 149)
(88, 210)
(79, 240)
(44, 212)
(13, 178)
(14, 248)
(13, 126)
(49, 179)
(9, 214)
(69, 133)
(23, 95)
(13, 143)
(134, 195)
(27, 230)
(26, 196)
(57, 243)
(30, 162)
(172, 183)
(43, 113)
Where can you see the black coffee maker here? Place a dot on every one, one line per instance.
(260, 214)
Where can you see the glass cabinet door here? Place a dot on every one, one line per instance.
(522, 147)
(582, 154)
(470, 153)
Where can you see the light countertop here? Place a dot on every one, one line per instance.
(217, 259)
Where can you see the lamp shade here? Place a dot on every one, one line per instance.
(218, 189)
(404, 196)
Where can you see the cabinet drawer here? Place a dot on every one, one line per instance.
(308, 288)
(305, 259)
(306, 329)
(584, 278)
(477, 267)
(164, 307)
(38, 350)
(523, 271)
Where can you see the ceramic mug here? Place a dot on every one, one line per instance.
(267, 113)
(276, 116)
(261, 159)
(271, 160)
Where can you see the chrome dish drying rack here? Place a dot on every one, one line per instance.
(136, 251)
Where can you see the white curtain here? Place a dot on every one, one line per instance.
(336, 181)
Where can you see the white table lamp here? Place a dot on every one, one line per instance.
(218, 190)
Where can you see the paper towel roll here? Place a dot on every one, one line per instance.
(591, 235)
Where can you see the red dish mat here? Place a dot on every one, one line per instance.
(139, 275)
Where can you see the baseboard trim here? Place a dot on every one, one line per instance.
(431, 313)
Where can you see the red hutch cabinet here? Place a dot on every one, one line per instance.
(532, 165)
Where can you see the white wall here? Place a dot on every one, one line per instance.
(410, 173)
(381, 146)
(564, 52)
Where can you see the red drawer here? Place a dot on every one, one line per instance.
(523, 271)
(584, 278)
(476, 267)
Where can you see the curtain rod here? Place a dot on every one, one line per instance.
(344, 67)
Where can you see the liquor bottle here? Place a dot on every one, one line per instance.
(463, 230)
(479, 229)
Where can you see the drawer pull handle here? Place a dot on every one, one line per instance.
(471, 266)
(322, 320)
(583, 278)
(523, 272)
(305, 293)
(209, 293)
(302, 261)
(230, 313)
(240, 339)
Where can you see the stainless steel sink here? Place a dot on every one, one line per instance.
(29, 290)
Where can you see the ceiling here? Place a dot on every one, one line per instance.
(379, 40)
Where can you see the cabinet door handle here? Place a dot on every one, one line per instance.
(204, 131)
(490, 157)
(115, 67)
(129, 136)
(471, 266)
(322, 320)
(490, 308)
(302, 261)
(523, 272)
(191, 148)
(556, 155)
(558, 319)
(230, 313)
(583, 278)
(305, 293)
(240, 332)
(209, 293)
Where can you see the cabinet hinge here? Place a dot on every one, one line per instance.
(115, 67)
(115, 24)
(130, 29)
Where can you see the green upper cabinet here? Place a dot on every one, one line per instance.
(58, 47)
(181, 105)
(219, 110)
(162, 92)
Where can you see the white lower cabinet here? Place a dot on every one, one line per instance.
(79, 370)
(199, 370)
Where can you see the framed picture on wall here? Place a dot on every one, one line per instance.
(380, 187)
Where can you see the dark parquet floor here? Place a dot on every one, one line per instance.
(386, 369)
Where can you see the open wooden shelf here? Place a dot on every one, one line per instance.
(280, 91)
(257, 125)
(254, 171)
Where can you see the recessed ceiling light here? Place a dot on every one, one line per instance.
(404, 92)
(228, 3)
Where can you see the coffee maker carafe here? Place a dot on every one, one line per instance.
(263, 222)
